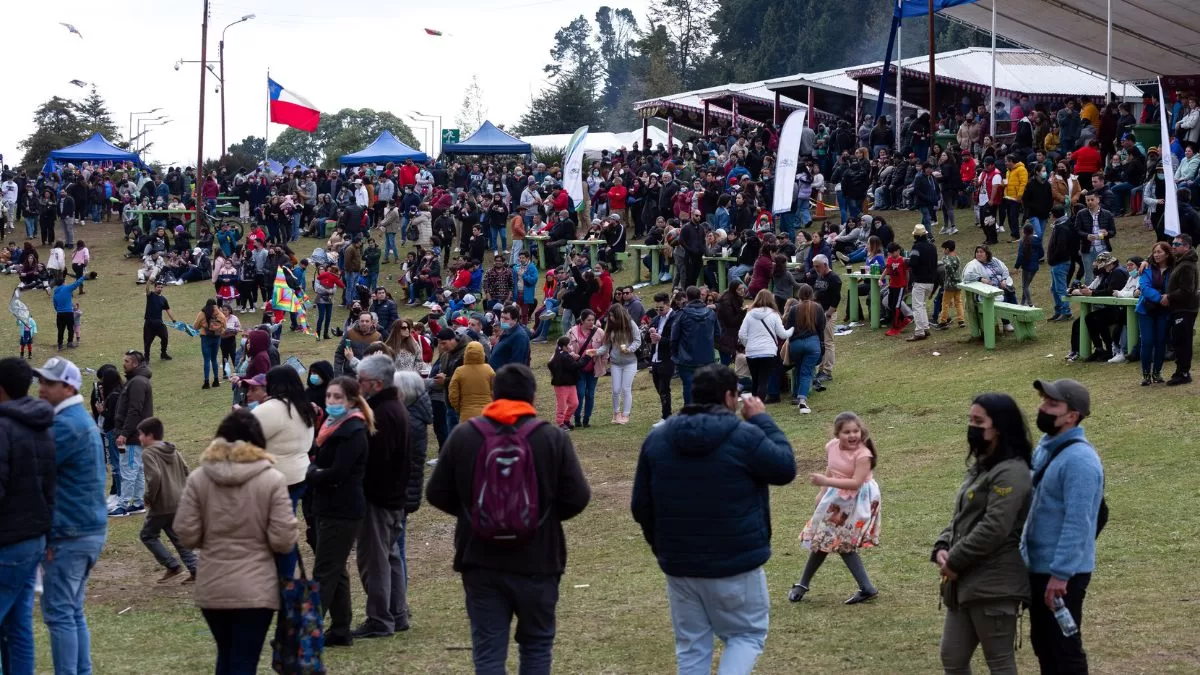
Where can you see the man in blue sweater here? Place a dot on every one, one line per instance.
(80, 519)
(64, 312)
(1059, 542)
(701, 497)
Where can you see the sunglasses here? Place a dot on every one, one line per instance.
(1176, 244)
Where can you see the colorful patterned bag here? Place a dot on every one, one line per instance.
(299, 633)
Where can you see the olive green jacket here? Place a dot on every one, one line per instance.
(984, 536)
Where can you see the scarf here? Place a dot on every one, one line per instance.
(332, 425)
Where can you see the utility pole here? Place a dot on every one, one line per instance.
(221, 77)
(200, 134)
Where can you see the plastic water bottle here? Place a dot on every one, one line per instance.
(1066, 622)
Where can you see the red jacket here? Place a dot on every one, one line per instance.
(602, 299)
(329, 280)
(462, 279)
(616, 197)
(408, 174)
(211, 189)
(896, 270)
(1087, 160)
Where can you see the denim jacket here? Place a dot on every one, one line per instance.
(79, 507)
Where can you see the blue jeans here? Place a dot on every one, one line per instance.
(927, 215)
(210, 348)
(1058, 288)
(787, 225)
(735, 609)
(858, 256)
(854, 206)
(1038, 226)
(1088, 259)
(372, 280)
(133, 477)
(389, 246)
(1153, 338)
(114, 460)
(804, 212)
(324, 315)
(285, 563)
(451, 419)
(296, 225)
(210, 206)
(543, 330)
(30, 227)
(95, 212)
(586, 389)
(500, 233)
(18, 569)
(842, 207)
(685, 378)
(401, 544)
(806, 354)
(65, 571)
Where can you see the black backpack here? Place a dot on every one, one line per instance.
(1102, 514)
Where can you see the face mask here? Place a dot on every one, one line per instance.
(335, 410)
(314, 380)
(975, 439)
(506, 325)
(252, 405)
(1046, 423)
(1158, 175)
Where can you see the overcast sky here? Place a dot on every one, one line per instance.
(336, 54)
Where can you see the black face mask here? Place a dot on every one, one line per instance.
(975, 440)
(1046, 423)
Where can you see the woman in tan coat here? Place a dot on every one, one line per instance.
(471, 386)
(235, 509)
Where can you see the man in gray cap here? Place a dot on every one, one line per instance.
(1059, 542)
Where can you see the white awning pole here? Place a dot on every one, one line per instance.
(899, 99)
(992, 109)
(1108, 59)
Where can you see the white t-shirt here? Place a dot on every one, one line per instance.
(9, 191)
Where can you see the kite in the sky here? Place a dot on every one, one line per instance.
(78, 83)
(435, 33)
(71, 28)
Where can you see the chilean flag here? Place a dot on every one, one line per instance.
(289, 108)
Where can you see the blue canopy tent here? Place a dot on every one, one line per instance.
(271, 165)
(386, 148)
(489, 140)
(95, 149)
(294, 164)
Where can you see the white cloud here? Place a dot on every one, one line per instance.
(336, 54)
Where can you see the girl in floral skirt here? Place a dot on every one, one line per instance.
(847, 514)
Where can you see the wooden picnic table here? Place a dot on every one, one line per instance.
(722, 269)
(187, 216)
(652, 250)
(1086, 302)
(540, 240)
(985, 296)
(593, 246)
(875, 310)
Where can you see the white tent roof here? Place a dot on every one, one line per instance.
(602, 140)
(1018, 71)
(1150, 37)
(835, 80)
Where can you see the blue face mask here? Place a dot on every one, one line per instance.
(335, 410)
(314, 380)
(252, 405)
(506, 325)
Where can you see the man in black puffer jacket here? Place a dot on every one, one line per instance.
(27, 501)
(922, 265)
(1183, 301)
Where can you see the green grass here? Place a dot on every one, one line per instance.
(613, 615)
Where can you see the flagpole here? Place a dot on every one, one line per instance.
(267, 124)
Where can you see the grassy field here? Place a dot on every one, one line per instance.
(613, 616)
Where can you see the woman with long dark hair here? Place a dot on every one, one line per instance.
(288, 423)
(339, 504)
(806, 320)
(730, 312)
(211, 324)
(235, 509)
(404, 344)
(585, 335)
(620, 345)
(1154, 315)
(760, 333)
(984, 578)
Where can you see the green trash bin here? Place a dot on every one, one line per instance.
(944, 138)
(1149, 135)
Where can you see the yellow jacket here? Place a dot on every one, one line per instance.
(1050, 142)
(1017, 178)
(1090, 112)
(471, 386)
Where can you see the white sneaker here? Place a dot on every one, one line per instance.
(1119, 357)
(112, 501)
(1009, 328)
(953, 230)
(664, 277)
(802, 408)
(659, 423)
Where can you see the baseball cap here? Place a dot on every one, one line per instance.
(58, 369)
(498, 307)
(468, 299)
(445, 334)
(1071, 392)
(436, 309)
(259, 380)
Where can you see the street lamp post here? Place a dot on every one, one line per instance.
(144, 122)
(221, 77)
(426, 132)
(438, 130)
(131, 115)
(200, 131)
(147, 130)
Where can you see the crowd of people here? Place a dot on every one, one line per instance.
(344, 441)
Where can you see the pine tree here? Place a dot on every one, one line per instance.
(473, 112)
(56, 124)
(94, 116)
